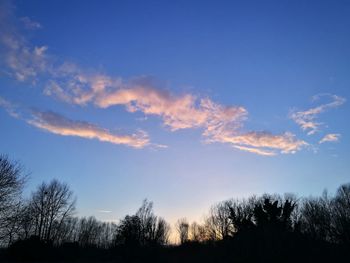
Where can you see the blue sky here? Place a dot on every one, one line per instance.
(185, 103)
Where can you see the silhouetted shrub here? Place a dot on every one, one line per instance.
(32, 249)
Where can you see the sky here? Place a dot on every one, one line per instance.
(186, 103)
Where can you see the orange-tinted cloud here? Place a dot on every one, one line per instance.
(58, 124)
(331, 137)
(262, 142)
(219, 123)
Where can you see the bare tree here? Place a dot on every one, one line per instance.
(12, 180)
(88, 231)
(106, 235)
(197, 232)
(50, 206)
(317, 217)
(341, 214)
(182, 227)
(143, 228)
(154, 230)
(218, 223)
(68, 230)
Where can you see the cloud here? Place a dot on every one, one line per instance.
(71, 84)
(307, 119)
(263, 143)
(58, 124)
(254, 150)
(177, 112)
(30, 24)
(159, 146)
(24, 61)
(219, 123)
(10, 108)
(104, 211)
(77, 87)
(331, 137)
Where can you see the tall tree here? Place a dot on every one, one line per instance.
(218, 222)
(142, 229)
(12, 180)
(341, 214)
(50, 206)
(182, 227)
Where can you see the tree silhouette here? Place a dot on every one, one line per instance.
(12, 180)
(143, 228)
(241, 214)
(182, 228)
(271, 214)
(49, 207)
(129, 231)
(341, 208)
(317, 217)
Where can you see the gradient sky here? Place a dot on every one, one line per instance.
(185, 103)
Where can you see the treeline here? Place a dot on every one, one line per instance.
(325, 218)
(256, 229)
(48, 215)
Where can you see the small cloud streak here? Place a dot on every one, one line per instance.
(307, 119)
(30, 24)
(104, 211)
(254, 150)
(331, 137)
(58, 124)
(263, 143)
(10, 108)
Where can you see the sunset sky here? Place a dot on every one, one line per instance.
(185, 103)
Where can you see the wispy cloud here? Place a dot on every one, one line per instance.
(307, 119)
(263, 143)
(10, 108)
(255, 150)
(30, 24)
(24, 60)
(331, 137)
(104, 211)
(58, 124)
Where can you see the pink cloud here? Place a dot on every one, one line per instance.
(263, 141)
(58, 124)
(331, 137)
